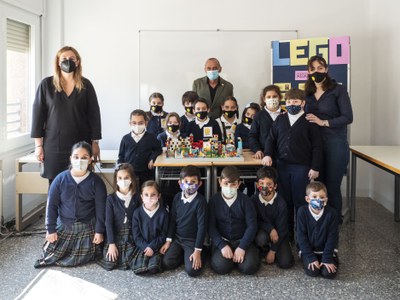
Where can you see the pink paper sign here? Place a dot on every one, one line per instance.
(300, 75)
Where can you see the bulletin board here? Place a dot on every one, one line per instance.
(290, 57)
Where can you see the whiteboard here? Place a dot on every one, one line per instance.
(169, 62)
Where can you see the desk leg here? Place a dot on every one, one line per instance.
(157, 175)
(215, 179)
(18, 212)
(209, 183)
(397, 198)
(353, 175)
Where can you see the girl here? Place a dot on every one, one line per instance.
(119, 249)
(149, 229)
(243, 129)
(262, 123)
(172, 131)
(156, 115)
(229, 117)
(75, 213)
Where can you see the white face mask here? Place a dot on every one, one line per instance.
(79, 164)
(272, 103)
(229, 192)
(138, 129)
(123, 184)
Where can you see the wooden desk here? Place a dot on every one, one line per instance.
(384, 157)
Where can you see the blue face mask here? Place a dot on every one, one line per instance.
(317, 204)
(212, 75)
(293, 109)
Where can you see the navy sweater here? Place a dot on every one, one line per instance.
(319, 236)
(334, 106)
(272, 217)
(149, 232)
(298, 144)
(155, 123)
(139, 154)
(72, 202)
(238, 222)
(259, 130)
(184, 122)
(116, 212)
(193, 128)
(188, 221)
(243, 132)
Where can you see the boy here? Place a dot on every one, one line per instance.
(318, 233)
(296, 145)
(232, 227)
(156, 115)
(187, 226)
(272, 234)
(188, 99)
(139, 147)
(202, 128)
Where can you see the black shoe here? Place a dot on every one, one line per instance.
(39, 264)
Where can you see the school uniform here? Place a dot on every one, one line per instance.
(139, 154)
(296, 149)
(119, 230)
(163, 137)
(185, 121)
(149, 229)
(273, 215)
(156, 123)
(187, 230)
(203, 131)
(235, 226)
(318, 239)
(75, 211)
(227, 129)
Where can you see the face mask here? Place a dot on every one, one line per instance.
(189, 189)
(173, 128)
(189, 110)
(150, 201)
(138, 129)
(202, 115)
(318, 77)
(68, 66)
(80, 164)
(272, 103)
(229, 192)
(229, 114)
(247, 120)
(293, 109)
(212, 75)
(156, 108)
(123, 184)
(265, 191)
(317, 204)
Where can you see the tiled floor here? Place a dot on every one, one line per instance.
(369, 269)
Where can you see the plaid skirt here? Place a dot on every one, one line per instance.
(74, 246)
(144, 264)
(126, 250)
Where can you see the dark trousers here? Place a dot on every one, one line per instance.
(143, 176)
(323, 271)
(249, 266)
(283, 257)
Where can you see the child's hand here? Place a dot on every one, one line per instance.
(195, 258)
(313, 174)
(51, 237)
(314, 265)
(270, 257)
(112, 253)
(238, 256)
(267, 161)
(165, 247)
(274, 236)
(148, 251)
(258, 155)
(95, 151)
(150, 165)
(330, 267)
(227, 252)
(98, 238)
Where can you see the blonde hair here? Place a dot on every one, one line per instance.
(57, 79)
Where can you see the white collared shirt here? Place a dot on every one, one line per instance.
(294, 118)
(126, 198)
(189, 199)
(151, 213)
(229, 202)
(273, 114)
(190, 119)
(316, 216)
(174, 136)
(79, 179)
(265, 202)
(201, 124)
(156, 114)
(138, 137)
(247, 125)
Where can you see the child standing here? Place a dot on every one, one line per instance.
(202, 128)
(243, 129)
(75, 213)
(296, 145)
(272, 234)
(149, 229)
(119, 248)
(188, 99)
(172, 130)
(139, 147)
(262, 123)
(187, 226)
(232, 227)
(318, 233)
(228, 119)
(156, 115)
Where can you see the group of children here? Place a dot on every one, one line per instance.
(142, 235)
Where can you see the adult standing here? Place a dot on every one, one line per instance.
(213, 87)
(328, 105)
(65, 111)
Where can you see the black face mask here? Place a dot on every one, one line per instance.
(317, 77)
(189, 110)
(202, 115)
(68, 66)
(173, 128)
(229, 114)
(247, 120)
(156, 109)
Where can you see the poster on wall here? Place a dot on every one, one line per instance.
(290, 57)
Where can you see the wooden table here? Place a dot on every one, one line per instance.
(384, 157)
